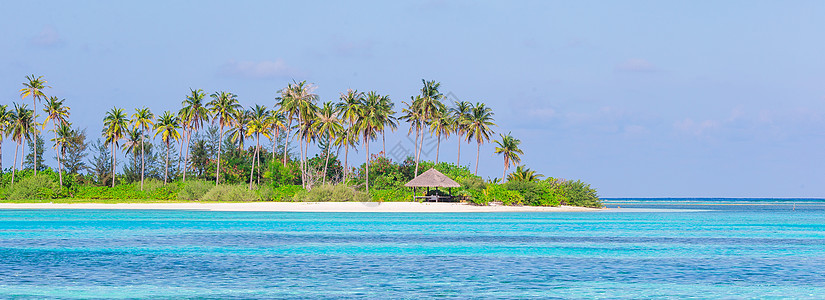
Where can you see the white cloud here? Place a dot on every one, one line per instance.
(636, 65)
(48, 37)
(689, 126)
(259, 69)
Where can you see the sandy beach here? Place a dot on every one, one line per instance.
(303, 207)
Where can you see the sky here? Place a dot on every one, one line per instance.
(637, 98)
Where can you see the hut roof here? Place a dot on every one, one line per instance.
(432, 178)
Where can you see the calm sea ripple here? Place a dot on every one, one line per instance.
(704, 251)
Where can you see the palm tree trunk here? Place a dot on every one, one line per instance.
(384, 143)
(478, 153)
(142, 161)
(420, 145)
(14, 164)
(306, 160)
(251, 172)
(286, 143)
(367, 140)
(34, 154)
(301, 158)
(186, 157)
(415, 149)
(458, 159)
(114, 162)
(438, 148)
(59, 173)
(326, 162)
(22, 154)
(504, 174)
(346, 160)
(166, 170)
(258, 149)
(218, 170)
(180, 150)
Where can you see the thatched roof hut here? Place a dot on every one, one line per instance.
(432, 178)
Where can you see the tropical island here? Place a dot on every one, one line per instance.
(213, 149)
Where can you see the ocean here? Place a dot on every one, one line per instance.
(648, 248)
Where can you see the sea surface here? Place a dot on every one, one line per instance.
(647, 248)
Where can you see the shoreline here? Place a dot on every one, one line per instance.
(389, 207)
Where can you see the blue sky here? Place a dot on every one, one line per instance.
(638, 98)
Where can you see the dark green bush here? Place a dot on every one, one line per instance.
(391, 195)
(473, 183)
(281, 193)
(326, 193)
(40, 186)
(194, 189)
(579, 193)
(231, 192)
(536, 193)
(495, 192)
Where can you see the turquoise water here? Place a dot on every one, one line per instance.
(646, 249)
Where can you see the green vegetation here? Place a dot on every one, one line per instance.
(229, 160)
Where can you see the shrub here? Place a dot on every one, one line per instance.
(194, 189)
(325, 193)
(536, 193)
(495, 192)
(40, 186)
(391, 195)
(281, 193)
(227, 192)
(579, 193)
(473, 183)
(478, 197)
(123, 191)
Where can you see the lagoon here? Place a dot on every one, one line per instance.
(664, 248)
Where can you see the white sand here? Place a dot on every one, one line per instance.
(303, 207)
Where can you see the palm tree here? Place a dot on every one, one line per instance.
(460, 112)
(5, 123)
(349, 107)
(327, 123)
(304, 108)
(114, 124)
(142, 119)
(368, 124)
(523, 173)
(134, 137)
(388, 119)
(348, 138)
(429, 104)
(63, 136)
(307, 135)
(276, 124)
(58, 114)
(193, 114)
(240, 119)
(412, 114)
(296, 103)
(22, 123)
(286, 108)
(223, 106)
(34, 88)
(441, 125)
(257, 125)
(167, 126)
(508, 147)
(478, 127)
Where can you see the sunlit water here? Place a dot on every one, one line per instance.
(646, 249)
